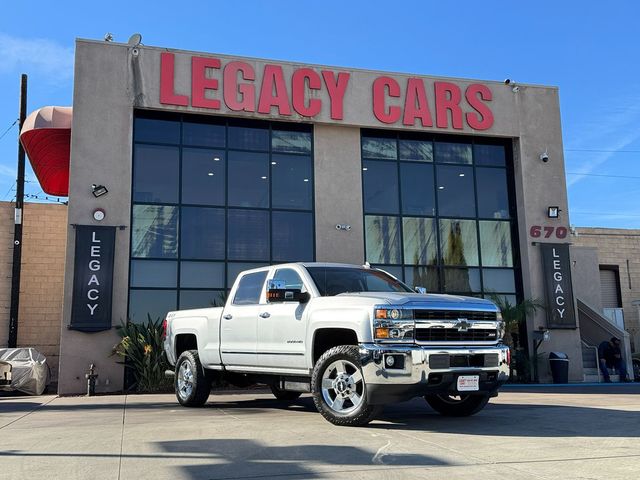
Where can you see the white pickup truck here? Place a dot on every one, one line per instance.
(355, 337)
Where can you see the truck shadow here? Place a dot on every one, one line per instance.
(500, 419)
(232, 458)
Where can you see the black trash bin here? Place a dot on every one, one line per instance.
(559, 363)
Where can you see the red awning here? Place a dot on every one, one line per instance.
(46, 137)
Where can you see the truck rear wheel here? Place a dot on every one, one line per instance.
(191, 383)
(339, 390)
(457, 405)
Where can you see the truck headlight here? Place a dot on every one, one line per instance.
(393, 325)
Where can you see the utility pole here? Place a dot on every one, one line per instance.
(17, 235)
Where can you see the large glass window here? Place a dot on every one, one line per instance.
(439, 211)
(213, 197)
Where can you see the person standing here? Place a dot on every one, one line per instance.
(610, 356)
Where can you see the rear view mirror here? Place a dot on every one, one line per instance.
(278, 293)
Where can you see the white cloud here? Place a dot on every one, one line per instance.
(36, 55)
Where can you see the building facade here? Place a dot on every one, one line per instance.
(209, 164)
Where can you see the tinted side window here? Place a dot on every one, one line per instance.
(248, 292)
(290, 278)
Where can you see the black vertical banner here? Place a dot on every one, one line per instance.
(558, 287)
(93, 278)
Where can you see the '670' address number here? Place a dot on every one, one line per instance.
(537, 231)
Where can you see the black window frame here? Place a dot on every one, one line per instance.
(181, 119)
(435, 138)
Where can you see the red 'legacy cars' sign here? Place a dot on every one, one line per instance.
(284, 94)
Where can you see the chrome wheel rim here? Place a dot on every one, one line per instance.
(342, 387)
(185, 380)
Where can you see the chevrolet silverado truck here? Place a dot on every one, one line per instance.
(355, 337)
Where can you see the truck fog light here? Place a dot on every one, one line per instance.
(394, 333)
(389, 361)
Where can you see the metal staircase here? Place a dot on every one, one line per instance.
(594, 329)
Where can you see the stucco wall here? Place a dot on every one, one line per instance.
(616, 247)
(44, 241)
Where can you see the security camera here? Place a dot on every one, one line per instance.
(135, 52)
(507, 81)
(544, 157)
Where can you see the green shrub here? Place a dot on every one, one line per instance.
(141, 347)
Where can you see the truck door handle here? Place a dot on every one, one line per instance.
(265, 314)
(228, 316)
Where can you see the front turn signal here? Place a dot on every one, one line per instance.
(382, 332)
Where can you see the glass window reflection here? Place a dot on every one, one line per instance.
(292, 182)
(154, 273)
(249, 237)
(495, 241)
(462, 280)
(248, 182)
(202, 275)
(203, 134)
(420, 241)
(489, 155)
(154, 231)
(456, 194)
(291, 142)
(453, 153)
(203, 176)
(246, 138)
(209, 242)
(292, 234)
(499, 280)
(421, 276)
(379, 148)
(493, 199)
(458, 242)
(156, 131)
(155, 175)
(380, 183)
(416, 185)
(416, 150)
(382, 239)
(151, 303)
(201, 299)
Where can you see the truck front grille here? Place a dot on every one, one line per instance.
(439, 334)
(454, 315)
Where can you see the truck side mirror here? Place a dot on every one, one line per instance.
(278, 293)
(420, 290)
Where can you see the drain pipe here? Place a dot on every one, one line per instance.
(91, 380)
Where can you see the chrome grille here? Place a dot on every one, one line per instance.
(454, 315)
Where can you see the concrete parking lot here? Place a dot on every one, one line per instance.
(524, 433)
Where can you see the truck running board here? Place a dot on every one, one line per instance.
(295, 385)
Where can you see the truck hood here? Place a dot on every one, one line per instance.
(427, 301)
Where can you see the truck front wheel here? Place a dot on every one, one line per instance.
(339, 390)
(457, 405)
(192, 384)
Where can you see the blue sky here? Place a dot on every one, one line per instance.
(587, 49)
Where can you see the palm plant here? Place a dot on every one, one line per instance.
(141, 347)
(515, 315)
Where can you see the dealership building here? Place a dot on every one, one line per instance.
(186, 168)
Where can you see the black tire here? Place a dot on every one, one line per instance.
(192, 390)
(355, 415)
(461, 406)
(284, 395)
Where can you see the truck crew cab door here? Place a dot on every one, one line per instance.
(238, 331)
(282, 326)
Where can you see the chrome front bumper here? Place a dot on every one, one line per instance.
(421, 370)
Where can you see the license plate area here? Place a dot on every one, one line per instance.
(468, 383)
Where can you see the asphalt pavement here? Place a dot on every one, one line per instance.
(524, 433)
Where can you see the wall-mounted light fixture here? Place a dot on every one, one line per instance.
(98, 190)
(544, 157)
(553, 212)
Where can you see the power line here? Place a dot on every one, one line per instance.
(599, 151)
(10, 127)
(601, 175)
(574, 212)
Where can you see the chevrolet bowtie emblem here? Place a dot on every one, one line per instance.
(463, 325)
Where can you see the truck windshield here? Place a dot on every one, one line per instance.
(336, 280)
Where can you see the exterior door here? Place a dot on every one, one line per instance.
(282, 327)
(238, 344)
